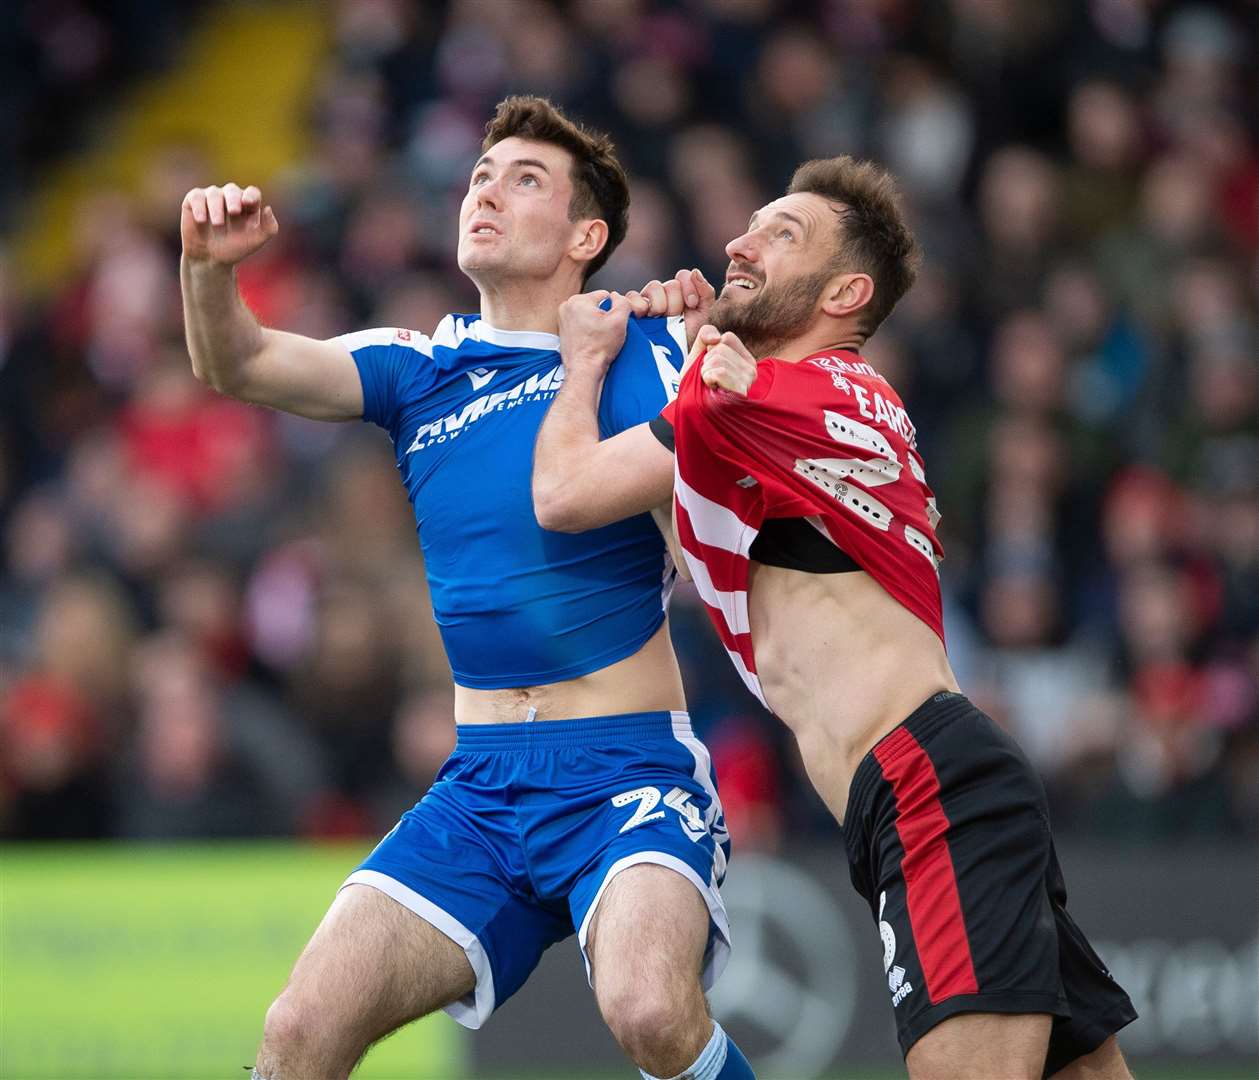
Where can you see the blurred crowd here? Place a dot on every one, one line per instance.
(59, 56)
(213, 618)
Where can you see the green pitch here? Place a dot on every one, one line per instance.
(129, 962)
(157, 963)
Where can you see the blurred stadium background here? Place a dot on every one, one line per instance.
(213, 624)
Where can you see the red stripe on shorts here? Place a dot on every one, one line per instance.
(935, 909)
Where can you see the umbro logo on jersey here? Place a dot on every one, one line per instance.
(480, 376)
(747, 482)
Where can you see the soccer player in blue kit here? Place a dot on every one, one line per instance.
(577, 797)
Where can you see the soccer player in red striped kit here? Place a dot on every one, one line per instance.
(801, 507)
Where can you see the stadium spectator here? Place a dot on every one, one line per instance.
(1080, 349)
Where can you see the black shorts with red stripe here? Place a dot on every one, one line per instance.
(948, 840)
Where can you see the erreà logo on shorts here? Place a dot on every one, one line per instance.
(538, 387)
(900, 987)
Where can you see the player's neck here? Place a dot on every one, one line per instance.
(523, 304)
(806, 345)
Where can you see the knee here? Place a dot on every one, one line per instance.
(297, 1032)
(652, 1022)
(288, 1026)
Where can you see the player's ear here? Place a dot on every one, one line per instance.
(589, 239)
(846, 294)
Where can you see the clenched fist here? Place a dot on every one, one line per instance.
(223, 225)
(727, 364)
(590, 336)
(688, 293)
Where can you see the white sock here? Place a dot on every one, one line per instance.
(710, 1062)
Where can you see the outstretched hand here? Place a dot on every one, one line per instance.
(590, 336)
(223, 225)
(687, 293)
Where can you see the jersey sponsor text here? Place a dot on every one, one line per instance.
(538, 387)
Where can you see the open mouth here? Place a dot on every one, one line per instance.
(743, 282)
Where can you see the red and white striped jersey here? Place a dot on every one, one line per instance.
(826, 439)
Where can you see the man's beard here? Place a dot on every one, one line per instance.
(774, 316)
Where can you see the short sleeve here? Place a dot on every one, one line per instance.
(644, 377)
(662, 428)
(386, 360)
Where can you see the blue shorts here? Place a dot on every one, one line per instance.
(525, 825)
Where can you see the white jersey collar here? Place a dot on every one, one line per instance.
(515, 339)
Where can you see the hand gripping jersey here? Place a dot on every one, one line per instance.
(825, 439)
(516, 605)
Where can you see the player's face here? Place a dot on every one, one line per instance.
(777, 271)
(514, 219)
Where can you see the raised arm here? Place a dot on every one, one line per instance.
(230, 351)
(579, 481)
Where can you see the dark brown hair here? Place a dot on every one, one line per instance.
(600, 189)
(871, 234)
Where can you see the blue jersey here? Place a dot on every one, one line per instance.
(516, 605)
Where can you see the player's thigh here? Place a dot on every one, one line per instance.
(1104, 1063)
(982, 1046)
(372, 966)
(651, 929)
(1099, 1007)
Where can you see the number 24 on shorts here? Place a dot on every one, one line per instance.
(649, 797)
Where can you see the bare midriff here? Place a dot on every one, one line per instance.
(841, 663)
(647, 681)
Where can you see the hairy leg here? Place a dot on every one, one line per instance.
(371, 967)
(646, 945)
(982, 1046)
(1104, 1063)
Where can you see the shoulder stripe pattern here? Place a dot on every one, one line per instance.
(387, 335)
